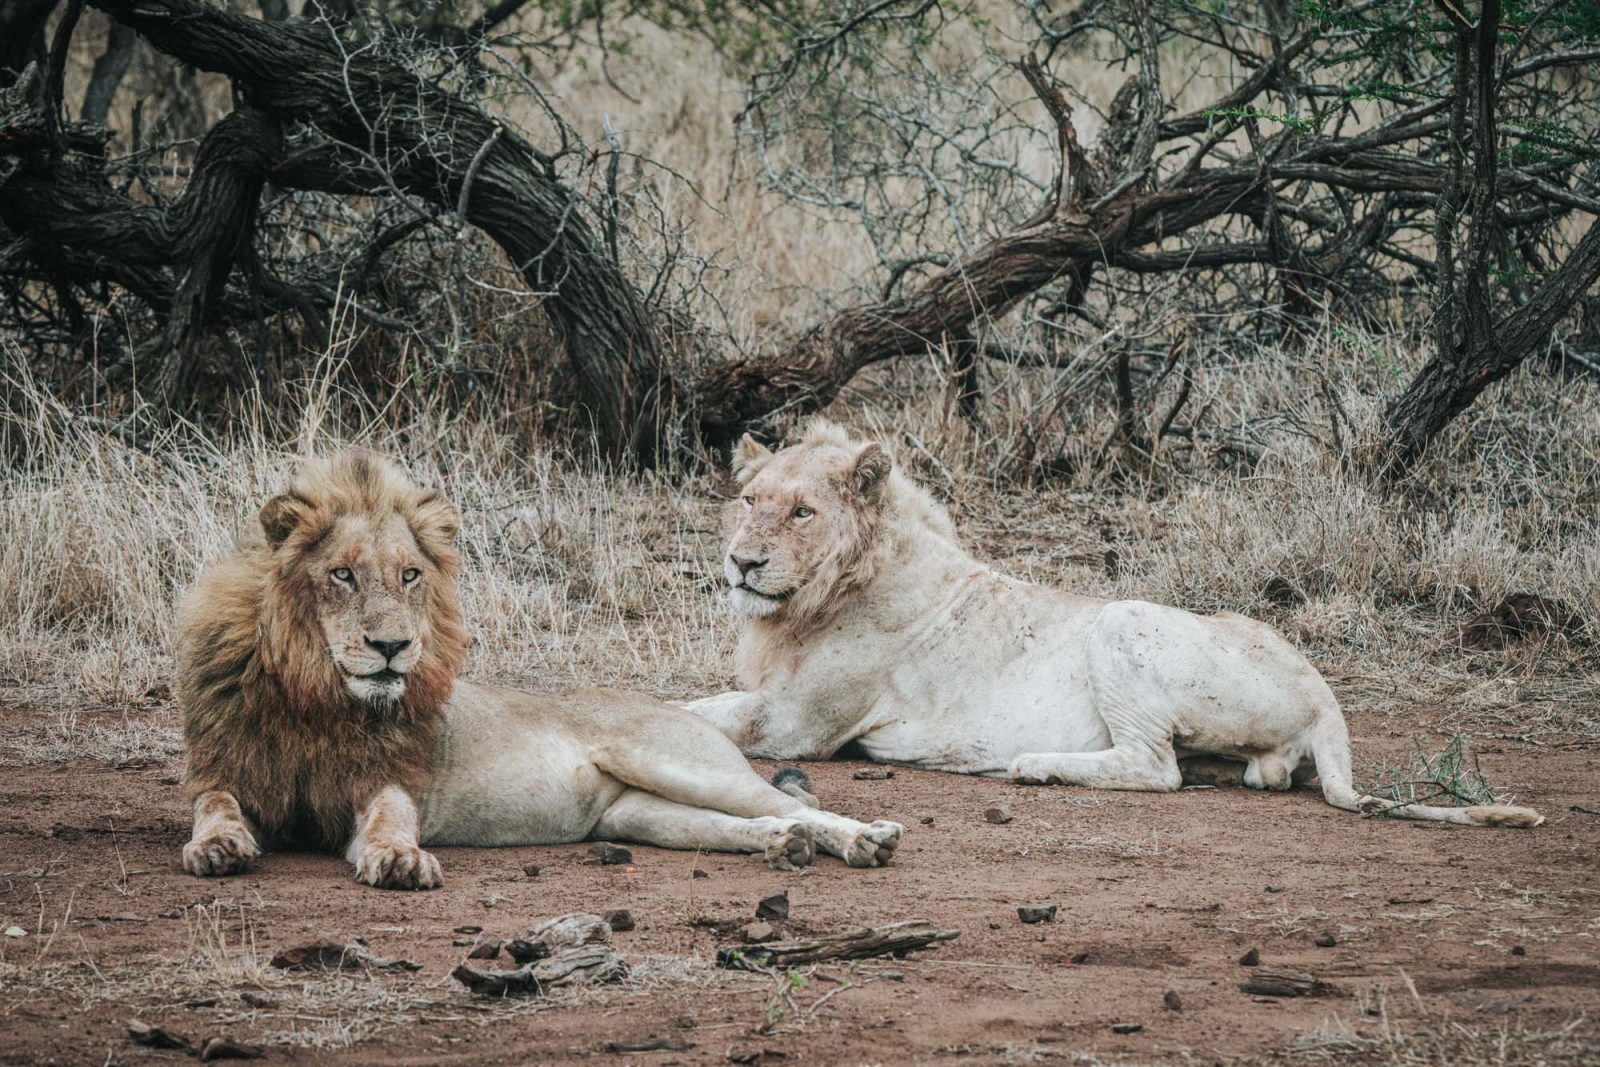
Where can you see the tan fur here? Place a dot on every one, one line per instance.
(317, 680)
(267, 716)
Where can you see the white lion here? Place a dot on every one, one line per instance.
(866, 623)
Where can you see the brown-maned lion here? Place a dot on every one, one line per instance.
(866, 622)
(317, 676)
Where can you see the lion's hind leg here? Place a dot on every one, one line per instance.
(1134, 767)
(651, 820)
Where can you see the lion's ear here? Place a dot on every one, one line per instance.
(749, 456)
(434, 518)
(280, 515)
(870, 470)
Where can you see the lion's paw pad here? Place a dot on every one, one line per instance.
(791, 848)
(398, 867)
(228, 852)
(874, 845)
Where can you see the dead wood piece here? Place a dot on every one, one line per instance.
(326, 955)
(892, 939)
(555, 935)
(585, 965)
(1284, 982)
(149, 1036)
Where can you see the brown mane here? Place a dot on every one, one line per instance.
(265, 712)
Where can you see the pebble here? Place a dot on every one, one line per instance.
(1037, 913)
(1251, 958)
(620, 920)
(999, 814)
(774, 906)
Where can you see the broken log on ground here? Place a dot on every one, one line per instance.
(895, 939)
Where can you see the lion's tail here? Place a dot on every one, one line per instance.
(796, 783)
(1331, 749)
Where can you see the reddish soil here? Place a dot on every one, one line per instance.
(1494, 929)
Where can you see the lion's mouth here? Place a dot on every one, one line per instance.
(775, 598)
(387, 676)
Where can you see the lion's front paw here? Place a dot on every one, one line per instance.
(398, 867)
(874, 846)
(227, 852)
(1030, 770)
(791, 848)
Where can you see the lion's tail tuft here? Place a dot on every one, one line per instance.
(796, 783)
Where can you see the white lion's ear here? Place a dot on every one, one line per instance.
(280, 515)
(749, 456)
(870, 470)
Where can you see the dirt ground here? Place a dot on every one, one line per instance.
(1449, 945)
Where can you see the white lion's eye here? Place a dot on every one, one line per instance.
(748, 501)
(344, 574)
(410, 574)
(802, 513)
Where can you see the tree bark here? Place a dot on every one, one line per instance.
(397, 131)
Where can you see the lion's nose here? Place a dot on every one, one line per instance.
(388, 649)
(746, 564)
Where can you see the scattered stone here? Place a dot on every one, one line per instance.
(757, 933)
(531, 870)
(463, 942)
(1171, 1001)
(873, 774)
(16, 931)
(1411, 900)
(926, 820)
(1274, 888)
(610, 855)
(225, 1048)
(467, 930)
(1251, 958)
(486, 950)
(1518, 950)
(256, 1000)
(325, 955)
(1326, 941)
(774, 906)
(755, 1055)
(1126, 1028)
(999, 814)
(994, 925)
(652, 1044)
(1037, 913)
(620, 920)
(698, 873)
(154, 1036)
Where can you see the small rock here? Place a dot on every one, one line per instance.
(1171, 1001)
(649, 1044)
(256, 1000)
(467, 930)
(698, 873)
(1326, 941)
(873, 774)
(610, 855)
(994, 926)
(926, 820)
(757, 933)
(1251, 958)
(775, 906)
(531, 870)
(154, 1036)
(487, 950)
(16, 931)
(1274, 888)
(1518, 950)
(225, 1048)
(999, 814)
(1126, 1028)
(620, 920)
(1037, 913)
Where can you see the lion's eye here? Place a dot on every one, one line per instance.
(410, 574)
(748, 501)
(344, 574)
(802, 513)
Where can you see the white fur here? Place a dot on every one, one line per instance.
(937, 661)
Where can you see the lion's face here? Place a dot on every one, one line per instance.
(800, 520)
(372, 579)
